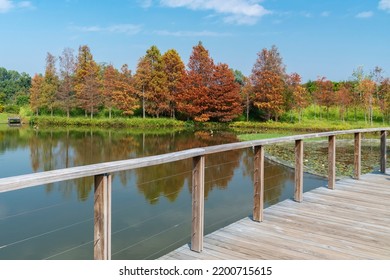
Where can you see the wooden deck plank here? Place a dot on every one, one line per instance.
(350, 222)
(327, 242)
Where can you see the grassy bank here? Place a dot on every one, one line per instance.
(307, 126)
(241, 127)
(45, 121)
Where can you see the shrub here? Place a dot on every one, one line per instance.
(12, 109)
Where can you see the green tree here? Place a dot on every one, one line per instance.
(158, 101)
(13, 85)
(50, 84)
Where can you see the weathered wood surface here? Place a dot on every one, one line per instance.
(258, 184)
(383, 151)
(351, 221)
(357, 154)
(298, 191)
(332, 162)
(47, 177)
(197, 231)
(102, 217)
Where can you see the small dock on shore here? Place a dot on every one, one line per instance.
(352, 221)
(14, 120)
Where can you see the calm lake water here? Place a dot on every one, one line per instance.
(151, 206)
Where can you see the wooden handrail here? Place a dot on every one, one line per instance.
(47, 177)
(101, 173)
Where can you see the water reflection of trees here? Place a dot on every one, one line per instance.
(275, 176)
(55, 149)
(168, 180)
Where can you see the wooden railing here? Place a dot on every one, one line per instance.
(102, 179)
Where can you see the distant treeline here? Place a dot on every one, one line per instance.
(162, 86)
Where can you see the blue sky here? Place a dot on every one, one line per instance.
(315, 38)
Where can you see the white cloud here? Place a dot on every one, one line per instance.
(191, 33)
(25, 4)
(366, 14)
(5, 6)
(129, 29)
(235, 11)
(8, 5)
(384, 5)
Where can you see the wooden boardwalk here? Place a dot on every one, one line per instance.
(350, 222)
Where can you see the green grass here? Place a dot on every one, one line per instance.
(259, 136)
(46, 121)
(3, 117)
(304, 126)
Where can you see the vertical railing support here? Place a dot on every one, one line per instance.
(383, 151)
(298, 190)
(332, 162)
(102, 217)
(357, 158)
(258, 184)
(197, 203)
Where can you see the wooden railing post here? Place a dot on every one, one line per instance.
(357, 155)
(197, 203)
(298, 190)
(102, 217)
(383, 151)
(332, 162)
(258, 184)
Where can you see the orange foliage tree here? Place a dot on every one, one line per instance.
(224, 95)
(268, 91)
(324, 93)
(65, 93)
(125, 96)
(193, 98)
(87, 82)
(268, 83)
(344, 99)
(174, 70)
(208, 91)
(299, 95)
(367, 89)
(35, 93)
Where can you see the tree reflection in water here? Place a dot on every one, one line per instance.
(60, 148)
(151, 206)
